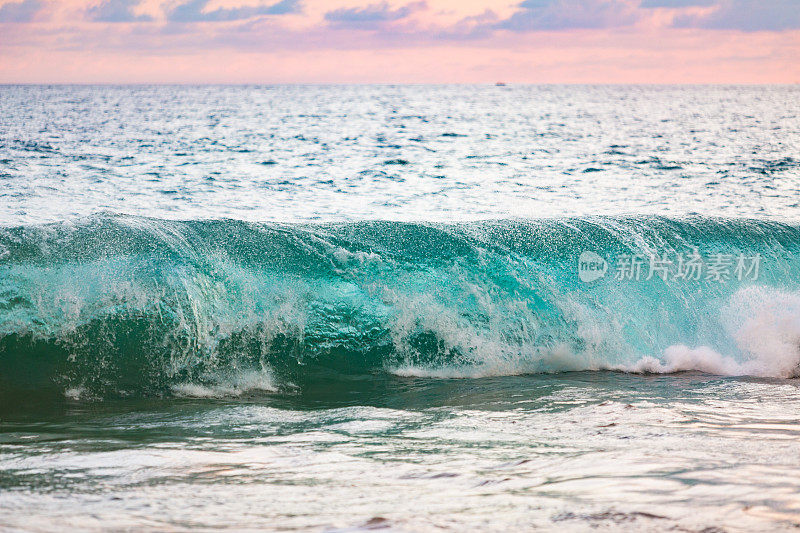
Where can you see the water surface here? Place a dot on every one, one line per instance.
(358, 308)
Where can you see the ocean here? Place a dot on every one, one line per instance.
(405, 308)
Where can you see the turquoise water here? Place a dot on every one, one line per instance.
(402, 308)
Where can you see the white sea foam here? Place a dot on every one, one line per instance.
(763, 323)
(75, 393)
(236, 385)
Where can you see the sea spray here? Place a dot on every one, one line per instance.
(120, 305)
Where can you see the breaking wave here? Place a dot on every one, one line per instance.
(117, 305)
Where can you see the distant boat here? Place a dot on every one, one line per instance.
(500, 84)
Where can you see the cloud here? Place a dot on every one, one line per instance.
(747, 15)
(192, 11)
(473, 27)
(678, 3)
(551, 15)
(116, 11)
(20, 11)
(371, 16)
(743, 15)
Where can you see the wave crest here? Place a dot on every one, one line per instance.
(117, 305)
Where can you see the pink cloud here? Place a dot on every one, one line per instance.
(572, 41)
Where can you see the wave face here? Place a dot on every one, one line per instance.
(117, 305)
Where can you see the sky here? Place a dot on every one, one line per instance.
(416, 41)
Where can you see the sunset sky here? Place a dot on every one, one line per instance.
(439, 41)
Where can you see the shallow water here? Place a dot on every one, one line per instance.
(581, 451)
(358, 308)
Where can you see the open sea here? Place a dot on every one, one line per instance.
(400, 308)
